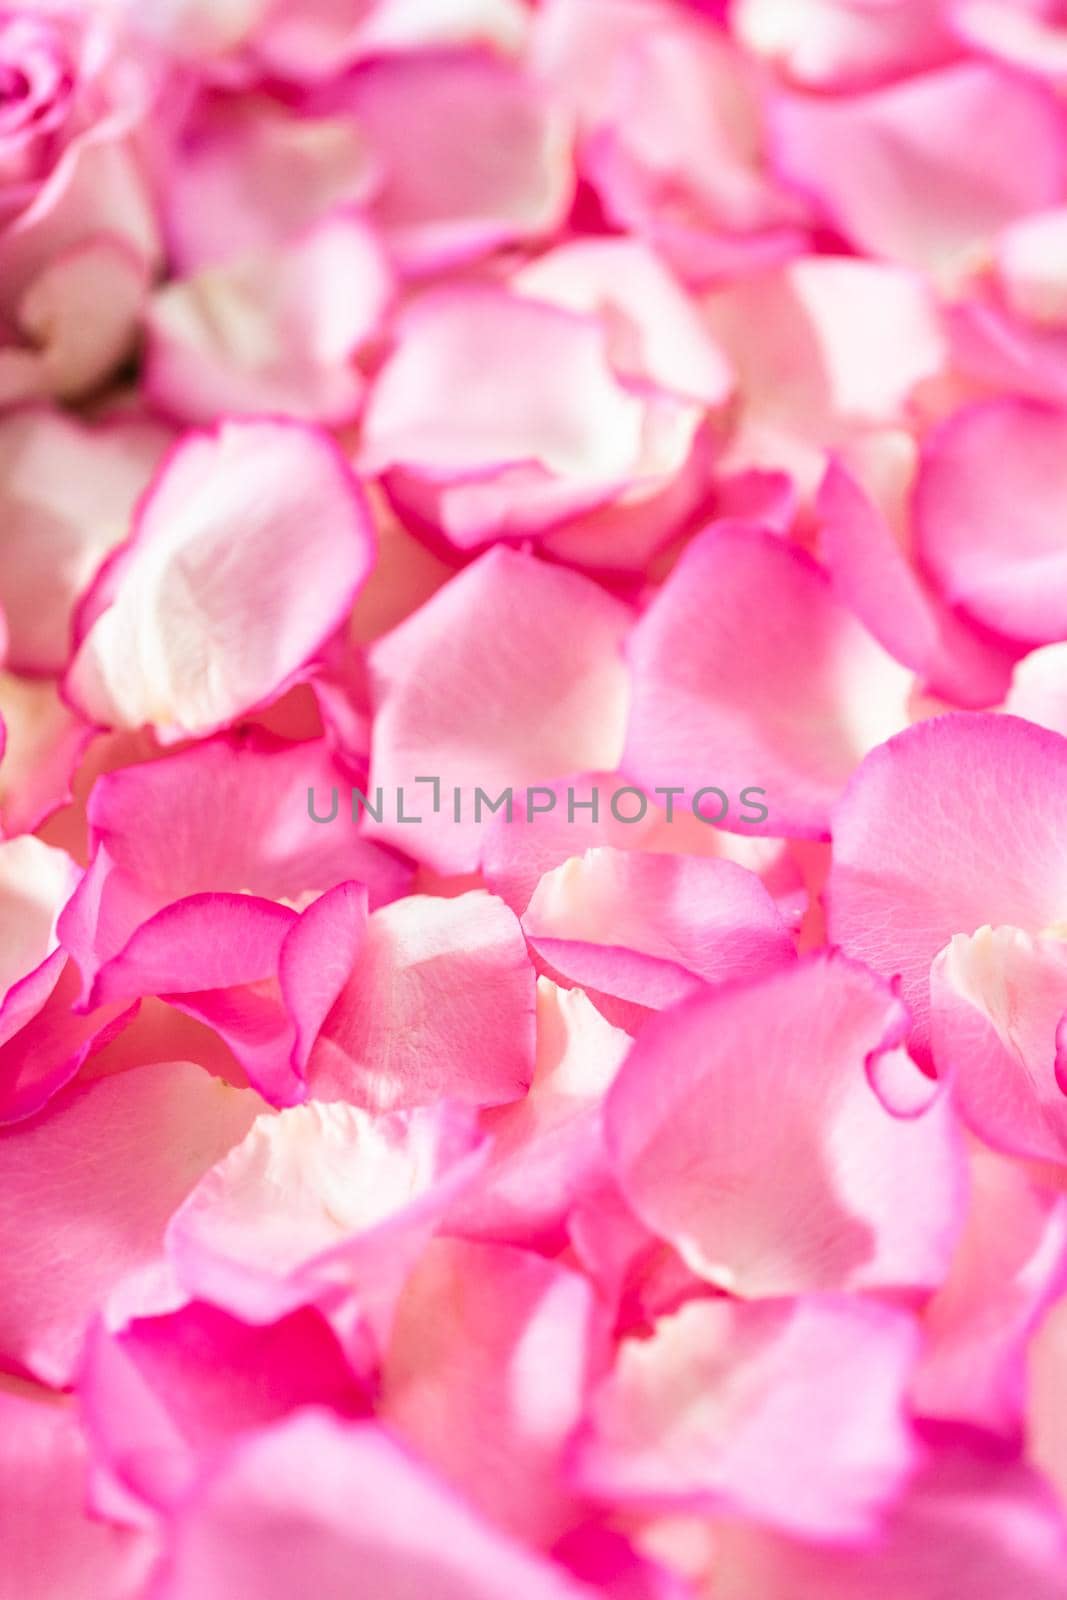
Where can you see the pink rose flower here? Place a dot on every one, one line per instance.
(77, 224)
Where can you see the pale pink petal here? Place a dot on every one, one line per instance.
(989, 511)
(972, 1524)
(928, 171)
(215, 956)
(318, 1201)
(749, 675)
(655, 331)
(520, 850)
(42, 1041)
(304, 1506)
(436, 211)
(1026, 34)
(53, 1550)
(1046, 1362)
(1032, 268)
(1038, 690)
(278, 331)
(653, 929)
(67, 499)
(315, 961)
(42, 751)
(520, 1344)
(251, 173)
(672, 115)
(952, 826)
(90, 1184)
(641, 1276)
(45, 1039)
(546, 1148)
(438, 1005)
(231, 816)
(79, 319)
(218, 601)
(865, 542)
(36, 881)
(671, 483)
(511, 674)
(825, 348)
(204, 31)
(405, 575)
(996, 351)
(837, 44)
(743, 1129)
(789, 1412)
(562, 435)
(262, 977)
(996, 999)
(162, 1396)
(97, 201)
(310, 40)
(1010, 1266)
(317, 38)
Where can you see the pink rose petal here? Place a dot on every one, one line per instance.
(738, 1114)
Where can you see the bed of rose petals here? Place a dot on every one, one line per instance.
(533, 878)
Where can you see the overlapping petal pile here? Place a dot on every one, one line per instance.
(533, 807)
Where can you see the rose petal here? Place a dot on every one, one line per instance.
(217, 602)
(742, 1128)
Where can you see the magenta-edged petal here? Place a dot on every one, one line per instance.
(316, 958)
(322, 1201)
(750, 677)
(305, 310)
(1010, 1266)
(575, 445)
(520, 850)
(865, 536)
(970, 1519)
(438, 212)
(68, 496)
(215, 956)
(90, 1184)
(837, 45)
(521, 1343)
(218, 601)
(232, 816)
(996, 1000)
(349, 1499)
(989, 511)
(455, 701)
(162, 1397)
(788, 1412)
(910, 172)
(546, 1149)
(653, 929)
(53, 1549)
(43, 1042)
(825, 349)
(250, 173)
(438, 1005)
(950, 827)
(742, 1128)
